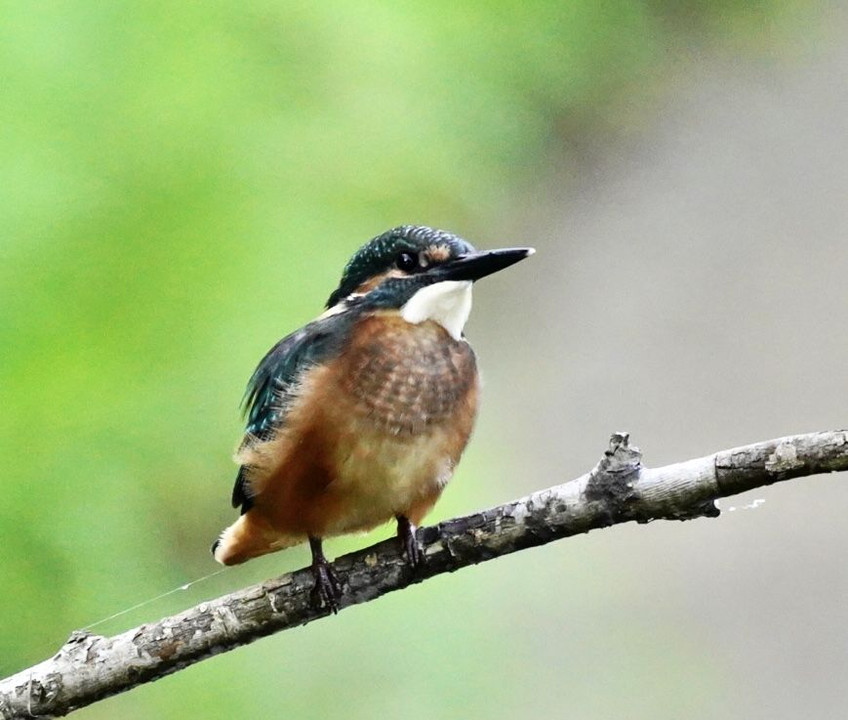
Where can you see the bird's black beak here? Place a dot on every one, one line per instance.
(479, 264)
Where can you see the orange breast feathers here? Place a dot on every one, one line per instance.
(373, 434)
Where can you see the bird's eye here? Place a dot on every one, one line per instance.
(407, 262)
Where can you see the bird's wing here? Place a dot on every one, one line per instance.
(273, 384)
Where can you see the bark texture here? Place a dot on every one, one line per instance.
(619, 489)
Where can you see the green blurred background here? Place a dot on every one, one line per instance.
(182, 184)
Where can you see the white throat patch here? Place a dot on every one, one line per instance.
(447, 302)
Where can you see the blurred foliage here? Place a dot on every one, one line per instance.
(182, 183)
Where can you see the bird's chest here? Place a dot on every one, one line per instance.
(405, 379)
(374, 433)
(400, 415)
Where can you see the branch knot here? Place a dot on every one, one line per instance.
(613, 479)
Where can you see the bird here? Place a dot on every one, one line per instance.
(361, 416)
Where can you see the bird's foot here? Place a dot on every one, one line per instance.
(327, 590)
(409, 544)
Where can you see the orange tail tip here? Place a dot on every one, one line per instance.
(246, 538)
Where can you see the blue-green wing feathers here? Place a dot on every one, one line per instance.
(273, 385)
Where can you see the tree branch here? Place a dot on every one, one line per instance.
(90, 667)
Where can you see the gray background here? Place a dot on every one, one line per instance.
(690, 287)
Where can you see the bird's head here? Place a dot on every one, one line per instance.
(422, 272)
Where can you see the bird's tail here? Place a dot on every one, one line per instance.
(249, 537)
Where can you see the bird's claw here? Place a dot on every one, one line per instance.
(327, 590)
(411, 548)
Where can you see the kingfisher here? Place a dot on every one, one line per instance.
(361, 416)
